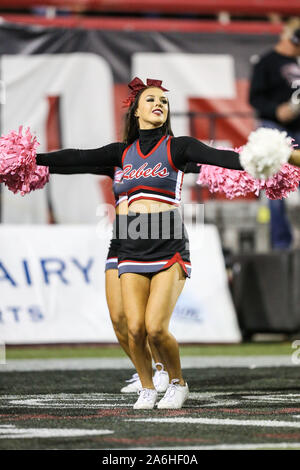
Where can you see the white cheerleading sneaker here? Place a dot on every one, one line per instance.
(160, 379)
(175, 396)
(146, 400)
(134, 385)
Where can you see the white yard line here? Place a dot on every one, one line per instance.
(221, 422)
(12, 432)
(267, 445)
(196, 362)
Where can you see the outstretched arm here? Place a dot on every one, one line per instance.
(189, 149)
(192, 167)
(75, 170)
(106, 156)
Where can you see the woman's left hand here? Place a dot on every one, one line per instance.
(295, 158)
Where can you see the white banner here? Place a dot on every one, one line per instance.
(204, 312)
(52, 288)
(83, 85)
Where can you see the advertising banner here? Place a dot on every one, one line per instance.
(52, 288)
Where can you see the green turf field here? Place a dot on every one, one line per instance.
(244, 349)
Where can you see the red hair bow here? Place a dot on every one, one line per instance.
(136, 85)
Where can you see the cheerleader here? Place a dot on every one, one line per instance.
(112, 281)
(114, 296)
(152, 268)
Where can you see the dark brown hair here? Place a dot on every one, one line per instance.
(131, 124)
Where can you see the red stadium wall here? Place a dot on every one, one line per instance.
(249, 7)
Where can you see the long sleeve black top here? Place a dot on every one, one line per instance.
(184, 150)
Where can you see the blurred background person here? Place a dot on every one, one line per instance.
(274, 96)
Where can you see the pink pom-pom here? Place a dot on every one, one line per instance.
(39, 178)
(281, 184)
(18, 161)
(235, 183)
(232, 183)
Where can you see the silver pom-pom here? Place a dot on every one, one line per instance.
(265, 152)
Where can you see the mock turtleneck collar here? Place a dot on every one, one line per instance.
(148, 138)
(150, 134)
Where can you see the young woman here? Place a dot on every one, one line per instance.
(152, 269)
(112, 281)
(114, 296)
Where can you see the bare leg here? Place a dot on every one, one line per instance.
(156, 356)
(115, 307)
(165, 289)
(135, 292)
(117, 314)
